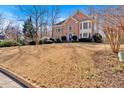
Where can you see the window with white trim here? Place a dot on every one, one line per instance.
(84, 35)
(69, 28)
(58, 29)
(85, 25)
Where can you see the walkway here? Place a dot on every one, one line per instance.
(7, 82)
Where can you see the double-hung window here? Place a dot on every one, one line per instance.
(58, 30)
(69, 28)
(85, 25)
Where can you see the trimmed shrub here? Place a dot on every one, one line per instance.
(8, 43)
(32, 43)
(52, 39)
(74, 38)
(21, 42)
(45, 41)
(97, 38)
(63, 38)
(48, 42)
(85, 40)
(41, 42)
(58, 41)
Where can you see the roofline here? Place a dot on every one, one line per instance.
(66, 21)
(59, 22)
(83, 14)
(88, 18)
(58, 25)
(71, 18)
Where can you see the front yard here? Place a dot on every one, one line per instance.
(65, 65)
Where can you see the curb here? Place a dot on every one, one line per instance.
(17, 78)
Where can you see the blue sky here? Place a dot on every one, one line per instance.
(65, 9)
(12, 12)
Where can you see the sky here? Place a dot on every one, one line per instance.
(12, 12)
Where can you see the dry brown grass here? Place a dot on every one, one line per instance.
(55, 65)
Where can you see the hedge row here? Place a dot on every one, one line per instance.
(8, 43)
(96, 38)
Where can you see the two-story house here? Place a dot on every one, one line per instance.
(78, 24)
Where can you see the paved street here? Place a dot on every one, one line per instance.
(6, 82)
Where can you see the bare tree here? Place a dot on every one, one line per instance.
(113, 26)
(49, 18)
(94, 13)
(55, 13)
(44, 22)
(42, 17)
(36, 12)
(1, 23)
(12, 32)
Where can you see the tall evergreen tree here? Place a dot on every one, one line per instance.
(28, 29)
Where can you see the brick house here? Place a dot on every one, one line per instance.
(79, 25)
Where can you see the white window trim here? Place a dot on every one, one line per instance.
(87, 25)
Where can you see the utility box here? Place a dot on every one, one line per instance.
(121, 56)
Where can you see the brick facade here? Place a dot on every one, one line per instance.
(69, 27)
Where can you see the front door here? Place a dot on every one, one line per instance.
(70, 37)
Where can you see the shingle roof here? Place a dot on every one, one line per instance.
(79, 16)
(60, 23)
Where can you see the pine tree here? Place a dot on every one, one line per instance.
(28, 29)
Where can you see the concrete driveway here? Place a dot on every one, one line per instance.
(7, 82)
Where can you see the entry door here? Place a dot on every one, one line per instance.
(70, 37)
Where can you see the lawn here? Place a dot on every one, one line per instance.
(65, 65)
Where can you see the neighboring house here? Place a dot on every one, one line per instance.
(79, 25)
(2, 37)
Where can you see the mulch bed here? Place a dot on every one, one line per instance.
(109, 69)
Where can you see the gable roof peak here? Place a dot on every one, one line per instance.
(80, 16)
